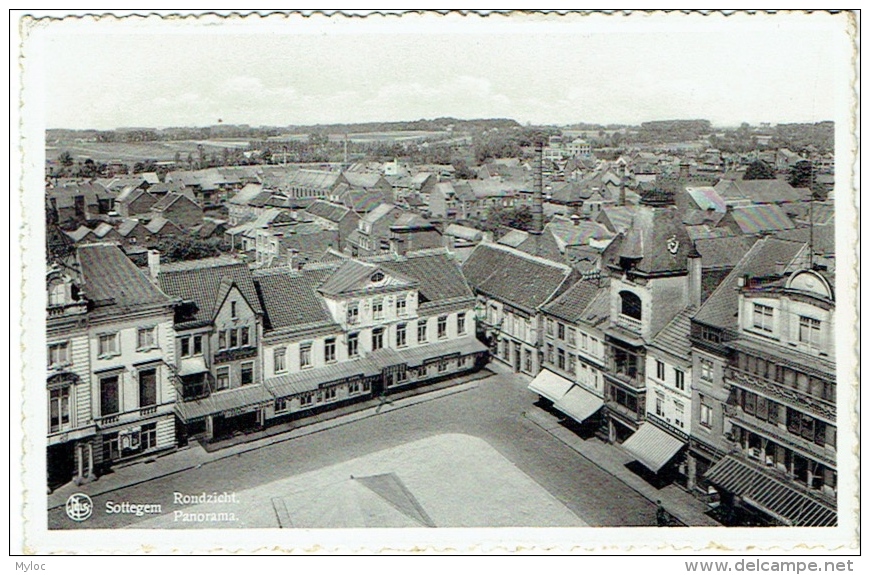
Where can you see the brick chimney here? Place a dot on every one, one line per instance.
(154, 265)
(538, 193)
(693, 279)
(621, 164)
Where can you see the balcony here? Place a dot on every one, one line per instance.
(780, 435)
(631, 324)
(781, 393)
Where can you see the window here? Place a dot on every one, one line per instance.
(460, 323)
(710, 334)
(550, 325)
(146, 338)
(222, 339)
(185, 346)
(706, 370)
(304, 355)
(244, 336)
(706, 414)
(197, 345)
(572, 337)
(572, 363)
(281, 405)
(442, 327)
(233, 310)
(56, 293)
(279, 360)
(560, 331)
(108, 345)
(326, 394)
(223, 378)
(660, 370)
(810, 331)
(401, 307)
(630, 304)
(660, 402)
(378, 308)
(762, 317)
(679, 414)
(550, 353)
(58, 409)
(109, 400)
(593, 345)
(461, 361)
(377, 338)
(421, 331)
(234, 338)
(442, 366)
(58, 354)
(352, 313)
(679, 379)
(527, 360)
(352, 344)
(306, 399)
(560, 358)
(247, 373)
(329, 350)
(148, 387)
(402, 335)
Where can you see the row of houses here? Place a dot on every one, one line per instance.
(141, 360)
(709, 361)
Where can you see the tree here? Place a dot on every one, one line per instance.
(65, 159)
(801, 174)
(759, 170)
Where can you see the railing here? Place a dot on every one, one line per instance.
(782, 436)
(151, 410)
(780, 392)
(629, 323)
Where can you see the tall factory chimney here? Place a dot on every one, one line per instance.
(538, 195)
(621, 163)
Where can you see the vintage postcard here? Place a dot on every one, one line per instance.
(444, 282)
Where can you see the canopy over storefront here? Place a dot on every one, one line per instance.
(653, 446)
(550, 385)
(579, 404)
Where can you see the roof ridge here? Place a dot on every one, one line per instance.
(536, 259)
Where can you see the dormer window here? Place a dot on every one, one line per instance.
(376, 277)
(57, 293)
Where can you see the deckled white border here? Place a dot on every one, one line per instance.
(35, 538)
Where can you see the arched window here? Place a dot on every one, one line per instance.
(56, 293)
(630, 304)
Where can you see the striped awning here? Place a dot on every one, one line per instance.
(771, 495)
(228, 403)
(579, 404)
(653, 446)
(550, 385)
(311, 379)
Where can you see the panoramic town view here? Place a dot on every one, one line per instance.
(441, 320)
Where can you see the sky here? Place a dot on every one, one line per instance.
(546, 70)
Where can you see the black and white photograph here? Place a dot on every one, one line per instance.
(442, 280)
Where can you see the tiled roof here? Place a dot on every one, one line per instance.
(463, 232)
(409, 220)
(567, 233)
(200, 282)
(697, 217)
(513, 277)
(327, 210)
(127, 226)
(674, 337)
(514, 238)
(760, 191)
(362, 201)
(113, 283)
(439, 278)
(157, 224)
(657, 240)
(246, 194)
(378, 212)
(290, 298)
(167, 201)
(572, 305)
(706, 198)
(353, 276)
(824, 237)
(362, 180)
(283, 178)
(720, 309)
(620, 217)
(79, 233)
(761, 218)
(722, 252)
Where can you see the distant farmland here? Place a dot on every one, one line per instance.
(137, 151)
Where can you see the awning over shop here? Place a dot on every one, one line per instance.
(550, 385)
(579, 404)
(653, 446)
(417, 356)
(229, 403)
(192, 366)
(771, 495)
(311, 379)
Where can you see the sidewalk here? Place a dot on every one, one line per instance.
(613, 458)
(194, 455)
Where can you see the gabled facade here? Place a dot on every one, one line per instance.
(178, 209)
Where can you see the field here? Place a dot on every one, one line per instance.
(401, 136)
(137, 151)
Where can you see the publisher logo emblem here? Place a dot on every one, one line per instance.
(79, 507)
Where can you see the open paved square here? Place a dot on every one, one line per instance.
(450, 480)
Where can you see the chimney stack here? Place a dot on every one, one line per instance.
(538, 195)
(621, 163)
(684, 170)
(154, 265)
(694, 277)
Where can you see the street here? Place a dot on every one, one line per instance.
(492, 412)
